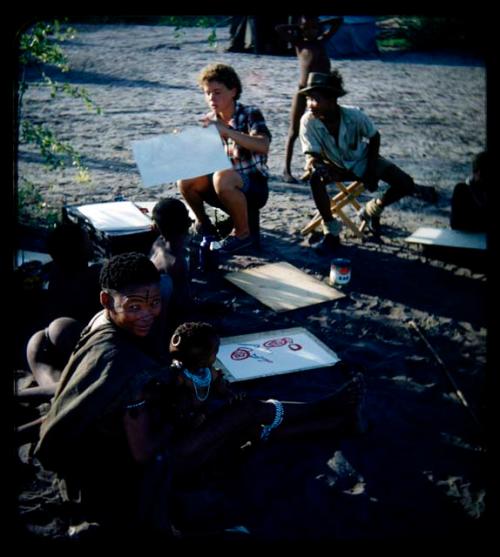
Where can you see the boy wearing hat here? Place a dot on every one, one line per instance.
(341, 144)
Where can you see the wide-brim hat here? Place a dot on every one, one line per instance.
(331, 82)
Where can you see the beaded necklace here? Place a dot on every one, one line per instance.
(201, 382)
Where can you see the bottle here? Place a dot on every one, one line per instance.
(213, 259)
(204, 253)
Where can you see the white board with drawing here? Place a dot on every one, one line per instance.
(272, 353)
(194, 151)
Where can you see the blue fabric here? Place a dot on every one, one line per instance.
(356, 37)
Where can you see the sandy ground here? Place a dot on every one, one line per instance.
(421, 470)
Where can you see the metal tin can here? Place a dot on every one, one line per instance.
(340, 271)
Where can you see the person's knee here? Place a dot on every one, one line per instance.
(63, 333)
(226, 180)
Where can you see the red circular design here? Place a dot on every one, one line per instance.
(240, 354)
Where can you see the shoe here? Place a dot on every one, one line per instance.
(328, 245)
(232, 244)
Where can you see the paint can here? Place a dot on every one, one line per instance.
(340, 271)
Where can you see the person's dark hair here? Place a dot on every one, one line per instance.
(128, 269)
(69, 246)
(191, 336)
(171, 217)
(223, 74)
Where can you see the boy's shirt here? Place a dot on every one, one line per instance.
(246, 119)
(355, 131)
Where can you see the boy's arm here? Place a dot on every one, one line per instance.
(334, 23)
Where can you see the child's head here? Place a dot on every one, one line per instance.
(69, 246)
(222, 74)
(130, 292)
(195, 344)
(171, 217)
(310, 26)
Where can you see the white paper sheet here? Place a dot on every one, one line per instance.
(195, 151)
(448, 237)
(116, 216)
(272, 353)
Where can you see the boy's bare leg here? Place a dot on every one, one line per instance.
(227, 185)
(192, 191)
(298, 108)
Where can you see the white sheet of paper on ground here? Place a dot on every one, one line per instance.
(195, 151)
(272, 353)
(283, 287)
(448, 237)
(25, 256)
(118, 217)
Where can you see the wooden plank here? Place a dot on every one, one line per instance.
(270, 353)
(448, 237)
(283, 287)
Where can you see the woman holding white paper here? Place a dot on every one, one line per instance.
(246, 140)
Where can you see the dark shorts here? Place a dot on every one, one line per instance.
(255, 187)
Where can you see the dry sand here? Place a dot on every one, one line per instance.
(420, 472)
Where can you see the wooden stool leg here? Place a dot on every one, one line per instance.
(346, 195)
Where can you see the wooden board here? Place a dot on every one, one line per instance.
(272, 353)
(448, 238)
(283, 287)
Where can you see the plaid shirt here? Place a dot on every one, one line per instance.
(246, 119)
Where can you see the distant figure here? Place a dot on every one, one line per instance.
(246, 140)
(240, 33)
(170, 255)
(309, 37)
(73, 284)
(341, 143)
(469, 203)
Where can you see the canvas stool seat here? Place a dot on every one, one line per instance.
(346, 196)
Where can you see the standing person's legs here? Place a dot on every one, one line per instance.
(298, 108)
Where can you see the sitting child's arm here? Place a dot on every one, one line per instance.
(221, 388)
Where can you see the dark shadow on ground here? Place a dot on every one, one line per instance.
(81, 77)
